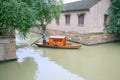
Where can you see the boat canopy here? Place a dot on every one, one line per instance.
(56, 37)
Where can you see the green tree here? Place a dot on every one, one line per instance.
(22, 14)
(113, 26)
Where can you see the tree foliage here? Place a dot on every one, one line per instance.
(22, 14)
(113, 25)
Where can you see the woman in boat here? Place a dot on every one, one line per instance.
(44, 39)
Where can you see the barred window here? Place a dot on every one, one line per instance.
(67, 19)
(81, 19)
(105, 19)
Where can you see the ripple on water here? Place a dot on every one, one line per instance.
(47, 70)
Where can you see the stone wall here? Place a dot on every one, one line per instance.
(88, 39)
(7, 49)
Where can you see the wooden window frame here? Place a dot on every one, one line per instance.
(57, 21)
(105, 19)
(67, 19)
(81, 19)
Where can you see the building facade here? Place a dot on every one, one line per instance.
(89, 19)
(83, 21)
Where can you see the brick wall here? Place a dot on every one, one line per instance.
(7, 49)
(88, 38)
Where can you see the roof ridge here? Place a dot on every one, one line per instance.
(80, 5)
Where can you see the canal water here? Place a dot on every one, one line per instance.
(97, 62)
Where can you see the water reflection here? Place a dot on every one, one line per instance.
(98, 62)
(47, 70)
(12, 70)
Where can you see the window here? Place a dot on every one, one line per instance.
(67, 19)
(57, 21)
(81, 19)
(105, 19)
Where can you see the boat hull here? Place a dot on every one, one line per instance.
(75, 46)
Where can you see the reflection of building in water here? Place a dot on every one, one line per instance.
(47, 70)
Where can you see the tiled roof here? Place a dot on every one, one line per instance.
(79, 5)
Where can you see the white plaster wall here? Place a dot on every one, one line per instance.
(73, 27)
(93, 20)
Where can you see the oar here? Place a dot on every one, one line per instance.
(35, 41)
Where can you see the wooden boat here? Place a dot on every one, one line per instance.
(58, 42)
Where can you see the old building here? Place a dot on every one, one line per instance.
(83, 21)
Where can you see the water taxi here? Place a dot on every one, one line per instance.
(58, 42)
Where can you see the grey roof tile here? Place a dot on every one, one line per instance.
(79, 5)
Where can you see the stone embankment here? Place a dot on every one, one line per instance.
(87, 38)
(7, 49)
